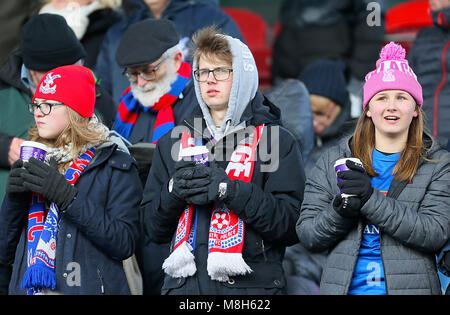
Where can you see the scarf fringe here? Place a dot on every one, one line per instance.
(39, 277)
(222, 265)
(181, 262)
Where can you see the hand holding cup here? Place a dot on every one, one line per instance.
(353, 181)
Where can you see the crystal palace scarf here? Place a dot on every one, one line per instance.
(129, 107)
(42, 236)
(226, 231)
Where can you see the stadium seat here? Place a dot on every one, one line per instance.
(404, 21)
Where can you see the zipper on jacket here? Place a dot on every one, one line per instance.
(263, 250)
(102, 287)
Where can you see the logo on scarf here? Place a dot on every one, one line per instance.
(226, 231)
(221, 219)
(46, 87)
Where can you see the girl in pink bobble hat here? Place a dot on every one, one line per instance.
(392, 73)
(384, 233)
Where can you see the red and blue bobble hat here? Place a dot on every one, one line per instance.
(73, 85)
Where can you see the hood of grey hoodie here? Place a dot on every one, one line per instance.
(243, 89)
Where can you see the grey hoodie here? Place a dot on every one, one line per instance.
(243, 89)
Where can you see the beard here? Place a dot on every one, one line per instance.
(149, 94)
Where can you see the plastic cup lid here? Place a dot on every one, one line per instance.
(34, 144)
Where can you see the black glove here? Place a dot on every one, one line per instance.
(200, 185)
(347, 207)
(220, 188)
(355, 182)
(15, 191)
(47, 181)
(189, 179)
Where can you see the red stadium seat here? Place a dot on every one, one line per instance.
(404, 21)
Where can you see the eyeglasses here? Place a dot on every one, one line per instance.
(148, 75)
(220, 74)
(45, 108)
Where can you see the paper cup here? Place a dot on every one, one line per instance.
(340, 166)
(30, 149)
(198, 153)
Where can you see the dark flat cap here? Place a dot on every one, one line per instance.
(145, 42)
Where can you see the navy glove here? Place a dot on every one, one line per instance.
(355, 182)
(15, 190)
(47, 181)
(347, 207)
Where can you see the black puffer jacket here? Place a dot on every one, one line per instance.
(269, 205)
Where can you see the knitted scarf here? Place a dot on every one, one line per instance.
(226, 231)
(129, 107)
(42, 236)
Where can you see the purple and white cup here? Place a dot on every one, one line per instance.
(340, 166)
(29, 149)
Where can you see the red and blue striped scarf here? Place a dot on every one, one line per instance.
(129, 107)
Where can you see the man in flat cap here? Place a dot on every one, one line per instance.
(159, 96)
(161, 93)
(188, 17)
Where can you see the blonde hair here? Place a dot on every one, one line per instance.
(208, 44)
(363, 144)
(78, 133)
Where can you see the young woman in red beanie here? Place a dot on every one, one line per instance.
(67, 224)
(383, 238)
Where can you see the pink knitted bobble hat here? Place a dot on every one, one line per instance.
(392, 73)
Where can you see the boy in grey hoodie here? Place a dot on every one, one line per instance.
(231, 210)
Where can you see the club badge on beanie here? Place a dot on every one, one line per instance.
(72, 85)
(392, 73)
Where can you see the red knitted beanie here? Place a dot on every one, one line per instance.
(72, 85)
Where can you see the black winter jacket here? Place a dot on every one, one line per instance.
(269, 205)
